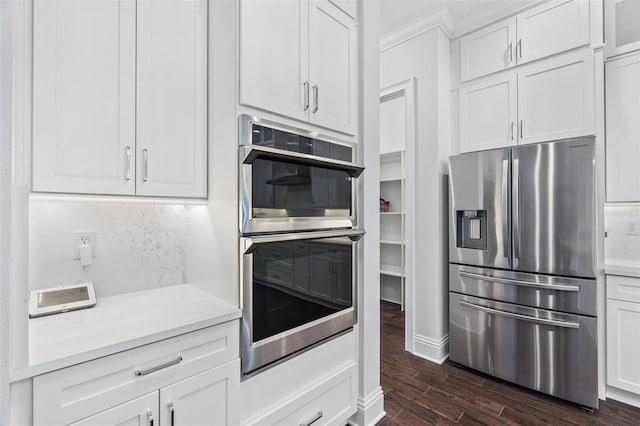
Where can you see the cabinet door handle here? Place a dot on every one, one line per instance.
(178, 360)
(313, 420)
(512, 133)
(519, 48)
(510, 52)
(306, 95)
(145, 167)
(127, 152)
(315, 98)
(172, 414)
(521, 129)
(150, 418)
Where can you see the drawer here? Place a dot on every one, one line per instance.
(73, 393)
(623, 288)
(330, 402)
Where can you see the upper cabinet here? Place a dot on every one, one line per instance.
(553, 27)
(114, 113)
(298, 59)
(548, 100)
(622, 28)
(622, 80)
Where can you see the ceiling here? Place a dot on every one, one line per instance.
(467, 13)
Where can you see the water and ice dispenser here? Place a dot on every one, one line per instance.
(471, 229)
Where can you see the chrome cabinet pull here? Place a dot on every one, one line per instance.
(313, 420)
(172, 414)
(145, 158)
(519, 48)
(178, 360)
(315, 98)
(127, 152)
(510, 52)
(512, 132)
(545, 321)
(542, 286)
(306, 95)
(150, 418)
(521, 129)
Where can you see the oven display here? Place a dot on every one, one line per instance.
(297, 282)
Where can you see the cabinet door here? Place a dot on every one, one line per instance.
(623, 129)
(301, 267)
(551, 28)
(138, 412)
(84, 96)
(321, 285)
(488, 50)
(622, 31)
(209, 398)
(274, 56)
(488, 114)
(556, 98)
(172, 98)
(332, 67)
(623, 345)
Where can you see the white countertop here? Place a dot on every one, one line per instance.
(627, 268)
(119, 323)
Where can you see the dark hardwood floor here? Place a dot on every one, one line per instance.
(419, 392)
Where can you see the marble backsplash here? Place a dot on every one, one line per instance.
(622, 224)
(138, 245)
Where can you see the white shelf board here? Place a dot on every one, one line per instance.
(392, 242)
(391, 213)
(392, 270)
(392, 179)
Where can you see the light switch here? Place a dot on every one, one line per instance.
(474, 229)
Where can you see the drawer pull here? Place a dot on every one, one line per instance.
(176, 361)
(313, 420)
(545, 321)
(149, 418)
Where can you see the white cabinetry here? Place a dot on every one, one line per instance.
(554, 99)
(114, 113)
(623, 343)
(488, 114)
(298, 59)
(553, 27)
(622, 31)
(622, 80)
(84, 68)
(138, 412)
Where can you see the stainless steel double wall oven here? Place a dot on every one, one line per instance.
(298, 240)
(522, 270)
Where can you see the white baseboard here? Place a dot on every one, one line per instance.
(623, 396)
(370, 409)
(435, 350)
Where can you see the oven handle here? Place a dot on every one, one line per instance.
(252, 242)
(252, 152)
(545, 321)
(543, 286)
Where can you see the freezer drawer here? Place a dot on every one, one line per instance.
(574, 295)
(546, 351)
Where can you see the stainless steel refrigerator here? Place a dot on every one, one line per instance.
(522, 253)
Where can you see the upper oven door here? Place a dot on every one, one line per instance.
(291, 181)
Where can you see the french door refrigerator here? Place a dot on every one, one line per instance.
(522, 269)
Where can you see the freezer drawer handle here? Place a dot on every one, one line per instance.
(545, 321)
(560, 287)
(176, 361)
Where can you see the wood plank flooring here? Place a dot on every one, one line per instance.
(418, 392)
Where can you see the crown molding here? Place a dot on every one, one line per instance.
(440, 18)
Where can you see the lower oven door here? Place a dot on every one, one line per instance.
(298, 289)
(548, 351)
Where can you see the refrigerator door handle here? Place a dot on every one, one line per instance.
(537, 320)
(505, 208)
(515, 197)
(542, 286)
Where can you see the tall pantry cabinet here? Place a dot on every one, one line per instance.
(119, 106)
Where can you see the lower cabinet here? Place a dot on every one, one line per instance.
(191, 379)
(204, 399)
(623, 338)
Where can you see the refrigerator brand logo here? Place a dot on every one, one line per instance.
(584, 145)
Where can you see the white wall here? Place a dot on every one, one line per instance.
(427, 58)
(139, 246)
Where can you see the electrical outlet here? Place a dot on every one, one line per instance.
(83, 238)
(632, 227)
